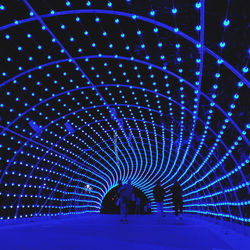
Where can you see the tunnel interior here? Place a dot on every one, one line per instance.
(93, 92)
(111, 202)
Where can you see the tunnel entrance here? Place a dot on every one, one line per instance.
(109, 203)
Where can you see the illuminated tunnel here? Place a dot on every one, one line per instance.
(92, 92)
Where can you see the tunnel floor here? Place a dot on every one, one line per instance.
(107, 232)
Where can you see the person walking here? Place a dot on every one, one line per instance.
(177, 198)
(159, 194)
(137, 205)
(125, 193)
(118, 195)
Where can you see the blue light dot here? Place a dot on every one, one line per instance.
(174, 11)
(97, 19)
(198, 27)
(2, 7)
(197, 5)
(116, 20)
(86, 32)
(9, 59)
(198, 45)
(220, 61)
(159, 44)
(240, 84)
(152, 13)
(155, 30)
(7, 36)
(109, 4)
(236, 96)
(226, 22)
(122, 35)
(62, 26)
(52, 12)
(88, 3)
(78, 19)
(31, 13)
(68, 3)
(245, 69)
(222, 44)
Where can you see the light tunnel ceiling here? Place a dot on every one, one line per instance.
(96, 91)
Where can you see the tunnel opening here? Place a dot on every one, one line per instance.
(110, 202)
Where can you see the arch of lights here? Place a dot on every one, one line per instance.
(93, 92)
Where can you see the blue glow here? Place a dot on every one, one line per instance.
(226, 22)
(152, 13)
(96, 103)
(174, 10)
(245, 69)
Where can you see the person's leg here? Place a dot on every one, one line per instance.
(158, 208)
(126, 210)
(123, 210)
(176, 208)
(162, 210)
(181, 206)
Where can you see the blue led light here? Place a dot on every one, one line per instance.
(152, 13)
(222, 44)
(226, 22)
(174, 10)
(197, 5)
(245, 69)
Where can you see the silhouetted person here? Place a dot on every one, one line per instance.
(159, 194)
(177, 198)
(125, 193)
(137, 205)
(118, 195)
